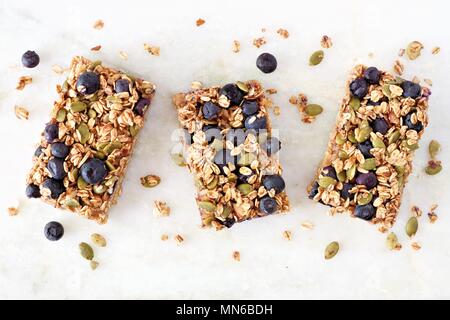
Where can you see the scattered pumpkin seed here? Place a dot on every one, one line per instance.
(331, 250)
(411, 226)
(150, 181)
(178, 159)
(386, 90)
(208, 218)
(413, 50)
(94, 264)
(100, 155)
(207, 205)
(83, 133)
(411, 147)
(316, 58)
(101, 145)
(369, 164)
(364, 198)
(324, 182)
(340, 140)
(86, 251)
(78, 106)
(377, 142)
(99, 188)
(81, 184)
(242, 86)
(313, 110)
(392, 241)
(433, 148)
(400, 170)
(61, 115)
(245, 188)
(434, 167)
(98, 240)
(355, 103)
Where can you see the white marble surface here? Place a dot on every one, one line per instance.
(136, 263)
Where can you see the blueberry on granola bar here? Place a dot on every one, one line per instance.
(358, 88)
(329, 171)
(39, 150)
(141, 106)
(55, 187)
(314, 190)
(275, 182)
(268, 205)
(418, 126)
(365, 212)
(51, 132)
(93, 171)
(411, 89)
(365, 148)
(250, 107)
(232, 92)
(32, 191)
(210, 110)
(122, 85)
(345, 192)
(368, 179)
(380, 125)
(56, 168)
(88, 82)
(30, 59)
(59, 150)
(372, 75)
(253, 122)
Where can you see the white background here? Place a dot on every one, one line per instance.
(136, 263)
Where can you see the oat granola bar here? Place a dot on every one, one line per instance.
(370, 152)
(84, 150)
(232, 153)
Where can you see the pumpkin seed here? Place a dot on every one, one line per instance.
(198, 183)
(98, 240)
(71, 203)
(134, 130)
(83, 133)
(377, 142)
(351, 172)
(178, 159)
(81, 184)
(313, 110)
(401, 181)
(433, 148)
(246, 159)
(99, 189)
(394, 136)
(78, 106)
(245, 188)
(150, 181)
(94, 64)
(242, 86)
(351, 137)
(400, 170)
(316, 58)
(324, 182)
(342, 154)
(340, 140)
(207, 205)
(364, 198)
(386, 91)
(93, 264)
(355, 103)
(73, 175)
(101, 145)
(109, 148)
(331, 250)
(411, 226)
(392, 241)
(369, 164)
(208, 218)
(109, 165)
(100, 155)
(226, 212)
(434, 167)
(93, 97)
(342, 176)
(362, 134)
(61, 115)
(411, 147)
(213, 184)
(413, 50)
(65, 86)
(92, 114)
(86, 251)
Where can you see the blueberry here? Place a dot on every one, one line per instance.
(122, 85)
(329, 171)
(418, 126)
(314, 190)
(30, 59)
(243, 178)
(373, 103)
(59, 150)
(236, 136)
(88, 82)
(39, 151)
(93, 171)
(51, 132)
(33, 191)
(229, 222)
(365, 212)
(266, 62)
(53, 231)
(368, 179)
(345, 192)
(232, 92)
(210, 110)
(223, 157)
(372, 75)
(380, 125)
(250, 107)
(56, 168)
(272, 145)
(212, 132)
(268, 205)
(254, 122)
(141, 106)
(358, 87)
(411, 89)
(365, 148)
(275, 182)
(56, 187)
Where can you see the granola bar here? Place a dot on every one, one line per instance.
(370, 152)
(84, 150)
(232, 153)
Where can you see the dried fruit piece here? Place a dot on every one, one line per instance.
(96, 48)
(433, 148)
(98, 240)
(435, 50)
(434, 167)
(331, 250)
(411, 226)
(416, 246)
(199, 22)
(86, 251)
(150, 181)
(413, 50)
(316, 58)
(258, 42)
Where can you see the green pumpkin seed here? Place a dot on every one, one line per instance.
(351, 172)
(94, 64)
(98, 240)
(246, 159)
(331, 250)
(313, 110)
(355, 103)
(99, 189)
(178, 159)
(94, 264)
(110, 147)
(81, 184)
(213, 184)
(242, 86)
(86, 251)
(324, 182)
(100, 155)
(362, 134)
(101, 145)
(401, 181)
(232, 177)
(83, 133)
(109, 165)
(434, 167)
(386, 91)
(134, 130)
(93, 97)
(316, 58)
(342, 176)
(340, 140)
(150, 181)
(369, 164)
(364, 198)
(411, 226)
(71, 203)
(226, 212)
(78, 106)
(61, 115)
(342, 154)
(411, 147)
(394, 136)
(207, 205)
(392, 241)
(377, 142)
(73, 175)
(245, 188)
(92, 114)
(198, 183)
(65, 86)
(351, 137)
(208, 218)
(433, 148)
(400, 170)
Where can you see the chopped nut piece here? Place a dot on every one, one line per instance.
(164, 237)
(199, 22)
(58, 69)
(258, 42)
(161, 209)
(283, 33)
(237, 255)
(398, 67)
(416, 211)
(428, 82)
(401, 52)
(123, 55)
(13, 211)
(416, 246)
(287, 235)
(21, 113)
(96, 48)
(99, 24)
(153, 50)
(436, 50)
(179, 239)
(307, 225)
(196, 85)
(326, 42)
(150, 181)
(413, 50)
(23, 81)
(236, 46)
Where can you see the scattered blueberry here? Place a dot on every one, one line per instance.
(345, 192)
(380, 125)
(51, 132)
(418, 126)
(39, 151)
(254, 122)
(30, 59)
(236, 136)
(372, 75)
(368, 179)
(53, 231)
(210, 110)
(60, 150)
(365, 148)
(329, 171)
(56, 187)
(266, 62)
(365, 212)
(56, 168)
(93, 171)
(272, 145)
(314, 190)
(275, 182)
(88, 82)
(223, 157)
(232, 92)
(411, 89)
(212, 132)
(268, 205)
(122, 85)
(141, 106)
(250, 107)
(358, 87)
(33, 191)
(228, 222)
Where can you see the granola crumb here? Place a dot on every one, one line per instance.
(13, 211)
(276, 110)
(259, 42)
(164, 237)
(307, 225)
(416, 211)
(271, 91)
(371, 55)
(326, 42)
(398, 247)
(293, 100)
(383, 229)
(96, 48)
(237, 255)
(416, 246)
(57, 69)
(123, 55)
(23, 81)
(236, 46)
(153, 50)
(435, 50)
(179, 239)
(433, 207)
(432, 217)
(199, 22)
(196, 85)
(283, 33)
(398, 67)
(263, 29)
(415, 79)
(287, 235)
(428, 82)
(99, 24)
(161, 209)
(21, 113)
